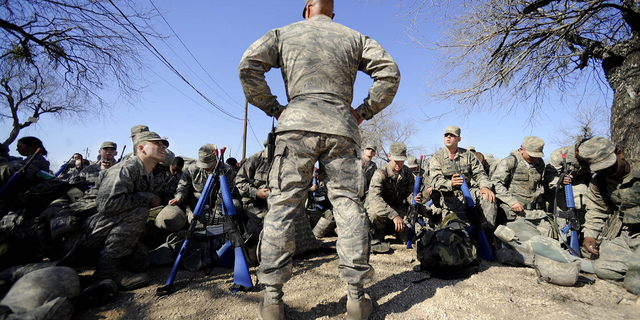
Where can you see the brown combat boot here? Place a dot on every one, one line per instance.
(109, 269)
(359, 310)
(271, 311)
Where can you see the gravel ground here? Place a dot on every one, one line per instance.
(315, 292)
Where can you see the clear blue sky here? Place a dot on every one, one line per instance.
(217, 33)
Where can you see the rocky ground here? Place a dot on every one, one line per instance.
(315, 292)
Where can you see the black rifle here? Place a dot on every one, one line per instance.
(122, 154)
(271, 141)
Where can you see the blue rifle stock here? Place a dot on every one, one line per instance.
(484, 250)
(413, 209)
(206, 193)
(572, 220)
(16, 175)
(62, 167)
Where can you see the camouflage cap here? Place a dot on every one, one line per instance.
(149, 136)
(453, 130)
(137, 129)
(599, 152)
(108, 144)
(534, 146)
(412, 162)
(471, 148)
(207, 156)
(398, 151)
(370, 146)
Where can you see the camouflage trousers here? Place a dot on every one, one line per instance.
(616, 254)
(379, 223)
(289, 180)
(116, 236)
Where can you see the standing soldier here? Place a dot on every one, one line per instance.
(445, 170)
(368, 166)
(319, 60)
(519, 187)
(613, 213)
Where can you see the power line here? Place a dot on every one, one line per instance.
(158, 55)
(194, 58)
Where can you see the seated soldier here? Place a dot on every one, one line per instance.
(180, 209)
(89, 175)
(251, 182)
(124, 196)
(447, 168)
(318, 203)
(612, 218)
(389, 197)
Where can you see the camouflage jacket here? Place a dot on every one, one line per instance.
(89, 174)
(442, 168)
(253, 177)
(165, 183)
(193, 181)
(38, 163)
(124, 187)
(319, 60)
(624, 194)
(578, 169)
(368, 169)
(389, 189)
(516, 180)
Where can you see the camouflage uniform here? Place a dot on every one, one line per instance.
(319, 60)
(251, 178)
(442, 168)
(617, 249)
(389, 197)
(368, 169)
(89, 174)
(516, 181)
(190, 188)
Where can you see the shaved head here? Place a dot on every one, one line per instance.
(316, 7)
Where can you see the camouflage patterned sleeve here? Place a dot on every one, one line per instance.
(376, 202)
(478, 173)
(597, 213)
(244, 180)
(553, 169)
(378, 64)
(185, 184)
(259, 58)
(438, 180)
(117, 192)
(502, 178)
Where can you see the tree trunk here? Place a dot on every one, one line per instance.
(13, 135)
(623, 75)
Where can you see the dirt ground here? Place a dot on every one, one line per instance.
(315, 292)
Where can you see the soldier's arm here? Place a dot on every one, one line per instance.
(597, 213)
(184, 186)
(259, 58)
(552, 170)
(438, 180)
(478, 173)
(376, 202)
(501, 178)
(245, 178)
(116, 193)
(378, 64)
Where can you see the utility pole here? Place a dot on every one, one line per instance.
(244, 132)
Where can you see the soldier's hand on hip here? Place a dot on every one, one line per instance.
(517, 207)
(355, 114)
(399, 224)
(456, 180)
(590, 245)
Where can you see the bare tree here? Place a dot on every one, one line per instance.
(509, 53)
(388, 127)
(78, 47)
(28, 95)
(588, 122)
